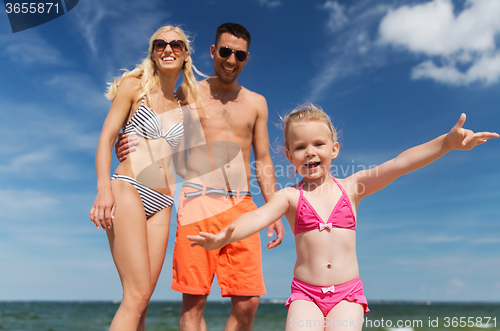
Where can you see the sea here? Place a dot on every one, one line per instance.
(271, 315)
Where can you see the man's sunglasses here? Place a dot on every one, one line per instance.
(226, 52)
(176, 45)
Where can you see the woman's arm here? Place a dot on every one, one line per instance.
(245, 225)
(372, 180)
(102, 211)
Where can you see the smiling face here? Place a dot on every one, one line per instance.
(228, 69)
(169, 60)
(311, 149)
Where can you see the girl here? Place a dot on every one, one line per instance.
(326, 289)
(134, 205)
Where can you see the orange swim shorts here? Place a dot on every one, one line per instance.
(238, 265)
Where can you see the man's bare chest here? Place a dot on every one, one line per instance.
(229, 117)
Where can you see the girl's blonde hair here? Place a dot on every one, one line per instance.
(147, 72)
(306, 113)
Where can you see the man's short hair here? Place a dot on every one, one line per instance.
(235, 29)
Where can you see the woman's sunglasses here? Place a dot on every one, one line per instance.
(226, 52)
(176, 45)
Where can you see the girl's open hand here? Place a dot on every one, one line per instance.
(464, 139)
(210, 241)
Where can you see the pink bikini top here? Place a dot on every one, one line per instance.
(307, 218)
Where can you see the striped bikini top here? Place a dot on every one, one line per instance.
(307, 218)
(147, 124)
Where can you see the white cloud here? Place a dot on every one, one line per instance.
(31, 49)
(42, 162)
(32, 159)
(338, 17)
(433, 29)
(351, 49)
(49, 143)
(270, 3)
(452, 42)
(80, 89)
(47, 126)
(91, 15)
(455, 285)
(455, 263)
(486, 70)
(14, 203)
(486, 240)
(455, 282)
(442, 239)
(44, 54)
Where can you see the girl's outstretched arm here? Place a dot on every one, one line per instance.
(245, 225)
(372, 180)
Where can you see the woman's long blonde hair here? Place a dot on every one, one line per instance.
(147, 72)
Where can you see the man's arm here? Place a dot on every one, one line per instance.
(264, 169)
(124, 146)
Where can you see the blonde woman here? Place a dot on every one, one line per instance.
(134, 206)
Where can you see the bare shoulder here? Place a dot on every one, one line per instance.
(130, 83)
(129, 86)
(254, 98)
(204, 88)
(288, 198)
(252, 95)
(291, 192)
(283, 198)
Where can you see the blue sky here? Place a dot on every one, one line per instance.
(392, 74)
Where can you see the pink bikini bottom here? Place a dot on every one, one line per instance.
(328, 297)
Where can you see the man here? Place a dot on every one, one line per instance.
(233, 120)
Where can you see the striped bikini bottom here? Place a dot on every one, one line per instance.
(152, 200)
